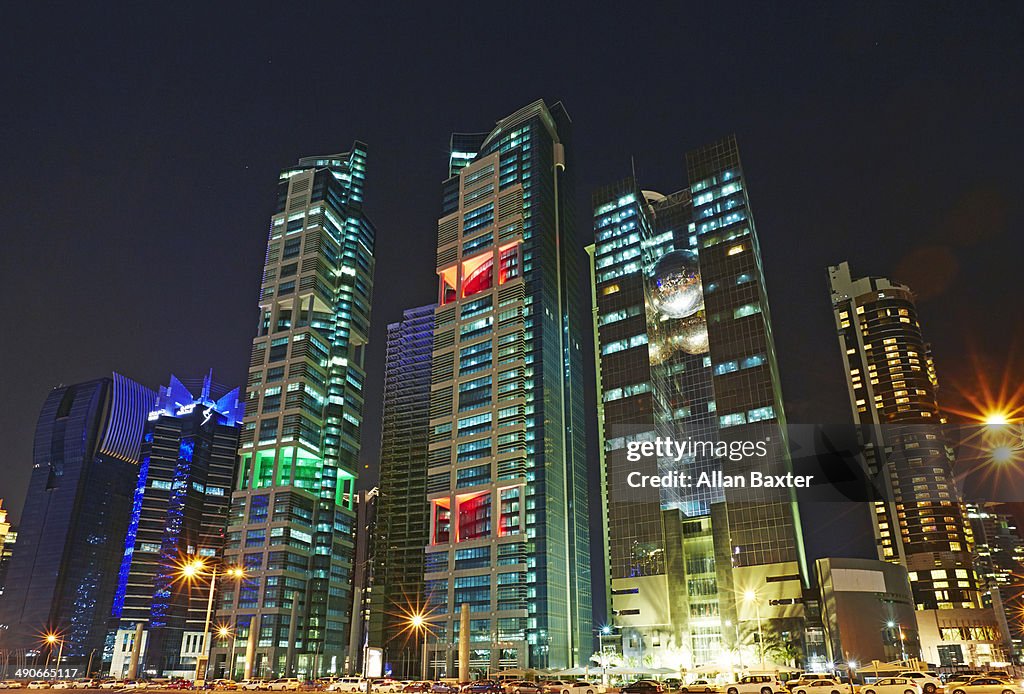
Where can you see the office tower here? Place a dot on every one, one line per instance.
(654, 380)
(402, 509)
(918, 518)
(63, 574)
(291, 524)
(179, 511)
(999, 561)
(8, 536)
(685, 350)
(507, 481)
(363, 579)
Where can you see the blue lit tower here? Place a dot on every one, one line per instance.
(507, 482)
(180, 509)
(63, 574)
(402, 510)
(292, 514)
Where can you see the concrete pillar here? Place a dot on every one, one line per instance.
(464, 638)
(133, 664)
(250, 646)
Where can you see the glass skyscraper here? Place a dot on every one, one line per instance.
(402, 509)
(507, 481)
(685, 350)
(179, 511)
(63, 574)
(291, 524)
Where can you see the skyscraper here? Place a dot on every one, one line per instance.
(63, 574)
(179, 511)
(919, 520)
(8, 535)
(685, 349)
(402, 509)
(292, 515)
(507, 481)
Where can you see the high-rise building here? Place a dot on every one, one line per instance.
(919, 520)
(179, 511)
(685, 350)
(8, 536)
(63, 574)
(402, 508)
(291, 524)
(507, 479)
(363, 579)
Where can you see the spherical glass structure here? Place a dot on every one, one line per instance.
(676, 290)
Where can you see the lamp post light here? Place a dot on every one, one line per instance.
(52, 638)
(194, 570)
(419, 623)
(751, 596)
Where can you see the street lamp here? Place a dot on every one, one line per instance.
(225, 633)
(52, 638)
(419, 623)
(751, 596)
(194, 570)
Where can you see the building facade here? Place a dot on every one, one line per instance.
(8, 536)
(179, 512)
(292, 518)
(685, 351)
(63, 574)
(507, 480)
(403, 518)
(919, 520)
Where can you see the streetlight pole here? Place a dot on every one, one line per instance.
(203, 661)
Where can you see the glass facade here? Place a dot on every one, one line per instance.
(292, 516)
(684, 349)
(402, 510)
(179, 511)
(63, 574)
(507, 461)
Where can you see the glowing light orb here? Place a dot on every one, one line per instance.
(677, 291)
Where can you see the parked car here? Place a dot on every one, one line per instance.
(224, 685)
(387, 686)
(111, 684)
(643, 687)
(806, 678)
(348, 684)
(892, 685)
(987, 685)
(482, 687)
(10, 684)
(705, 686)
(444, 688)
(38, 684)
(417, 687)
(62, 684)
(253, 684)
(929, 681)
(522, 687)
(284, 684)
(179, 684)
(577, 687)
(819, 686)
(761, 683)
(84, 683)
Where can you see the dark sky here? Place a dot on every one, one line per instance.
(140, 145)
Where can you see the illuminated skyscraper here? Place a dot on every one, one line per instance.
(507, 482)
(402, 510)
(685, 350)
(180, 509)
(919, 519)
(63, 574)
(8, 535)
(292, 518)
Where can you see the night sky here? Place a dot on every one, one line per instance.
(141, 147)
